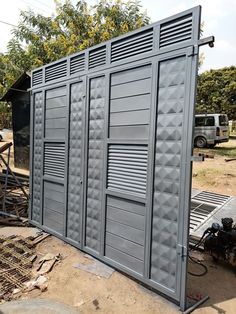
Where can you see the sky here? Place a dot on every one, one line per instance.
(219, 17)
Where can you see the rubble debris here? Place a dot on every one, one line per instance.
(230, 159)
(16, 290)
(47, 262)
(97, 268)
(96, 304)
(38, 282)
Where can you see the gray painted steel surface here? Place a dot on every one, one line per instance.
(111, 150)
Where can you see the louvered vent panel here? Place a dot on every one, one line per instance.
(56, 71)
(77, 64)
(97, 57)
(37, 77)
(54, 159)
(127, 169)
(176, 31)
(132, 46)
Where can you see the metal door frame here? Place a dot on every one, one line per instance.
(188, 49)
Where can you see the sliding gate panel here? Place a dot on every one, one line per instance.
(111, 150)
(54, 150)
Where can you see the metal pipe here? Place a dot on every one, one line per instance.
(6, 180)
(195, 305)
(12, 173)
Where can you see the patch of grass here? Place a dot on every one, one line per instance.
(208, 176)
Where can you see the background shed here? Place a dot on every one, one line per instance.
(19, 98)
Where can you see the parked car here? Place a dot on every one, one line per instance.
(210, 129)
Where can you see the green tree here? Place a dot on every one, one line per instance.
(216, 92)
(39, 40)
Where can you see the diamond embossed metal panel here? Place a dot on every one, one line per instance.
(95, 163)
(37, 166)
(111, 150)
(167, 172)
(75, 161)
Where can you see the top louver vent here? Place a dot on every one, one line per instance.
(56, 71)
(132, 46)
(37, 77)
(176, 31)
(97, 57)
(77, 64)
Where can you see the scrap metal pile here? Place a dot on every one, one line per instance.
(14, 191)
(17, 255)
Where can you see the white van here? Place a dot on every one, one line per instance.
(210, 129)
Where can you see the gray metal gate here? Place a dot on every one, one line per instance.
(111, 150)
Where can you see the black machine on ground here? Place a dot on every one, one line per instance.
(220, 241)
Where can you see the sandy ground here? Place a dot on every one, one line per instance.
(89, 293)
(216, 175)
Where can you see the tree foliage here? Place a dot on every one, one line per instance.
(39, 40)
(216, 92)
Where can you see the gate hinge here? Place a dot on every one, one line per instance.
(182, 251)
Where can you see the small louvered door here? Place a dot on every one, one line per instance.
(54, 161)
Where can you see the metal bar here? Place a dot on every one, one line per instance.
(6, 179)
(151, 166)
(207, 41)
(197, 304)
(12, 173)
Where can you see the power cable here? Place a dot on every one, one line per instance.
(3, 22)
(205, 269)
(31, 4)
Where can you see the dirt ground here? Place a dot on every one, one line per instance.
(214, 174)
(89, 293)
